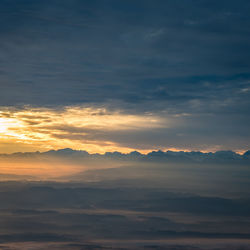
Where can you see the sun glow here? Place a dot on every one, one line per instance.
(90, 129)
(7, 128)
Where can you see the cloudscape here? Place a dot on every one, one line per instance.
(124, 124)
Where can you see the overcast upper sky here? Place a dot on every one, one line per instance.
(177, 74)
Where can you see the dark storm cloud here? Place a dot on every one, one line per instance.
(164, 52)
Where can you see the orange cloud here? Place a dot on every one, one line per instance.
(31, 129)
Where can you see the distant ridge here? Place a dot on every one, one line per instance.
(221, 156)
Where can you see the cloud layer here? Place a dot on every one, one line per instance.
(169, 58)
(98, 130)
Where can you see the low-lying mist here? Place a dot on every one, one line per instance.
(196, 172)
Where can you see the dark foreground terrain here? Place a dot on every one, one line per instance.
(49, 215)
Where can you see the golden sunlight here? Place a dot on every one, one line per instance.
(90, 129)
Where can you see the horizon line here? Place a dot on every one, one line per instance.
(156, 150)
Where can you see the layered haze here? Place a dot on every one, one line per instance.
(69, 199)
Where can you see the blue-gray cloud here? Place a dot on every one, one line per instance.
(60, 52)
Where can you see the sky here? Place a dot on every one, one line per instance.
(124, 75)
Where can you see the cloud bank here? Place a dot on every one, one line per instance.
(170, 59)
